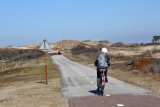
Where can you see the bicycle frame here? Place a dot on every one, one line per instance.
(102, 84)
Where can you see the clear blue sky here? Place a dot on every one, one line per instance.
(24, 22)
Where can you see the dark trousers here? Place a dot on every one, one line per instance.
(99, 76)
(99, 73)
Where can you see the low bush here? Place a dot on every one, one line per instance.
(119, 57)
(155, 67)
(146, 65)
(147, 53)
(134, 45)
(155, 50)
(140, 63)
(90, 52)
(18, 54)
(118, 44)
(104, 41)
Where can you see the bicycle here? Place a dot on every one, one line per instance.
(102, 81)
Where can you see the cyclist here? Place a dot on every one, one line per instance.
(102, 62)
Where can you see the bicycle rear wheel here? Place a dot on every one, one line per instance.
(101, 90)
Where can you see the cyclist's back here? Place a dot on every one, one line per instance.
(102, 62)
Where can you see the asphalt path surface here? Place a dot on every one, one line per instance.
(80, 81)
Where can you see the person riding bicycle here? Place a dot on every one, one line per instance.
(102, 62)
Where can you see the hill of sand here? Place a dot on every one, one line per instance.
(66, 45)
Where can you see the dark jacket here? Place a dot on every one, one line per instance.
(105, 58)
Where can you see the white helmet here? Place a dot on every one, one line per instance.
(104, 50)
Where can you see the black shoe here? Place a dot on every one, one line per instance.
(106, 80)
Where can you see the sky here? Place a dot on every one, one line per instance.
(25, 22)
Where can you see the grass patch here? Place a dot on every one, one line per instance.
(147, 81)
(33, 73)
(25, 86)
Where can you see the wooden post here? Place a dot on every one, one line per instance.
(45, 59)
(45, 45)
(46, 66)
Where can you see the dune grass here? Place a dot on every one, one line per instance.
(35, 72)
(25, 86)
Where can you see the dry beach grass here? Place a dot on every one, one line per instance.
(26, 86)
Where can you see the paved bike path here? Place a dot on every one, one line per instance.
(79, 80)
(79, 87)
